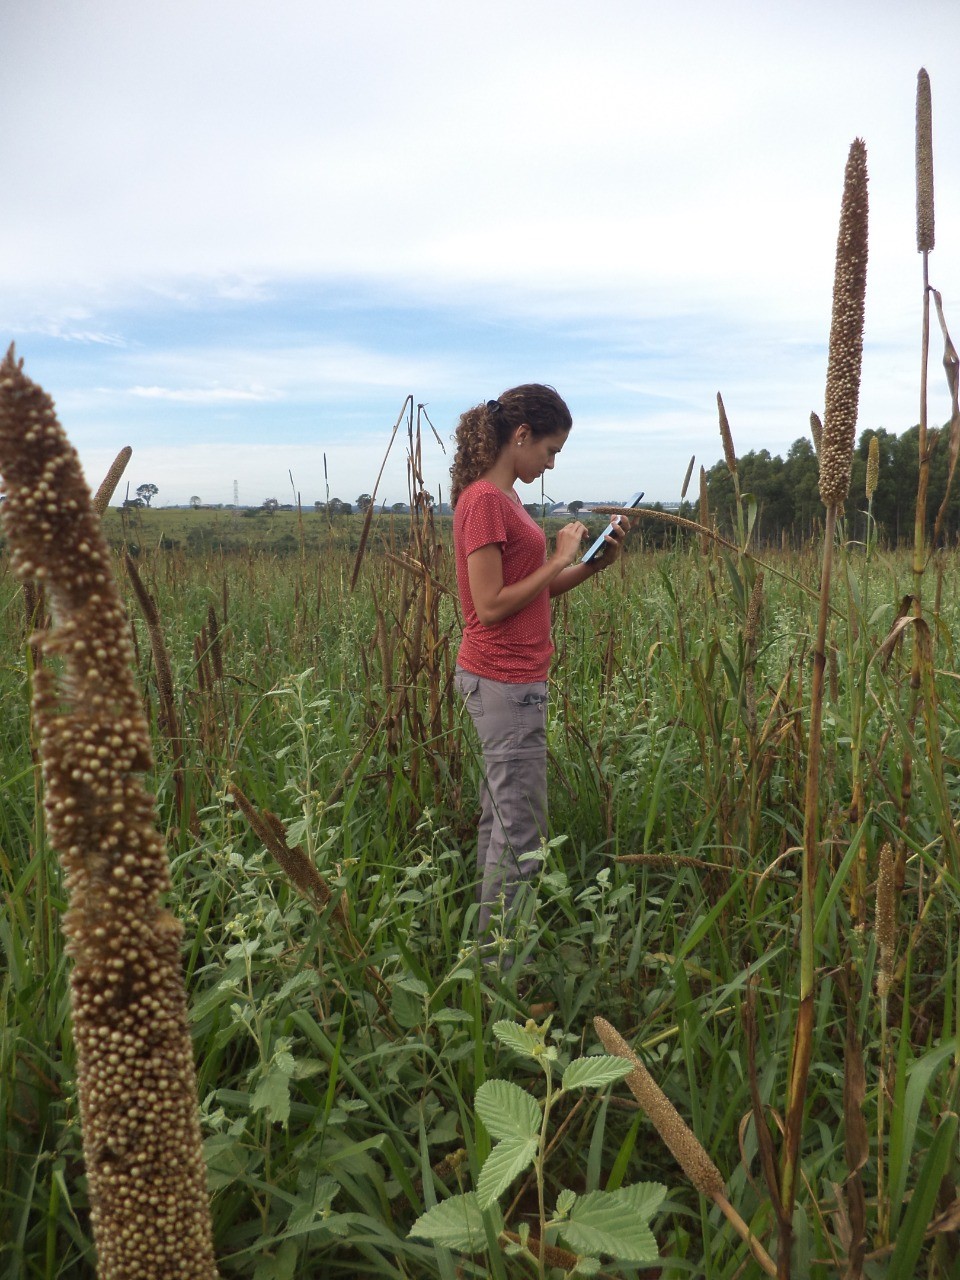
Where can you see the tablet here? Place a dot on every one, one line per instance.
(595, 548)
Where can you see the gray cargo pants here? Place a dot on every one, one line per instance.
(511, 720)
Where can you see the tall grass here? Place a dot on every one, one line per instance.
(336, 1064)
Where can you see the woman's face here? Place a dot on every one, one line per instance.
(538, 454)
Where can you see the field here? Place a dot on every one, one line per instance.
(342, 1026)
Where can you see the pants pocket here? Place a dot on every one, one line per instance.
(468, 686)
(529, 718)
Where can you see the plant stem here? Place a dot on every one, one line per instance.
(803, 1031)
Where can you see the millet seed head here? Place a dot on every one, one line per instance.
(846, 333)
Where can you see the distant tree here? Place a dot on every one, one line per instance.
(398, 508)
(195, 502)
(340, 508)
(575, 507)
(132, 502)
(363, 502)
(146, 492)
(320, 507)
(270, 505)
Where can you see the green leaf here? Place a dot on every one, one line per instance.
(750, 502)
(594, 1073)
(522, 1041)
(306, 1213)
(505, 1161)
(416, 986)
(452, 1015)
(736, 582)
(903, 1132)
(305, 978)
(226, 1160)
(456, 1223)
(920, 1209)
(565, 1201)
(272, 1095)
(615, 1222)
(406, 1008)
(304, 1068)
(507, 1111)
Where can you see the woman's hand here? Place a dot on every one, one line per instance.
(568, 541)
(614, 540)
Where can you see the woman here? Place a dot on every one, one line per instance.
(506, 581)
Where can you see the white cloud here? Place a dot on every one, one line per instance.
(205, 395)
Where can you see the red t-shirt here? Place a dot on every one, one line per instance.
(518, 649)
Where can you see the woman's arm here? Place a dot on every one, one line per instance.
(495, 601)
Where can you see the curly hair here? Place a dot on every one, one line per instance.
(484, 430)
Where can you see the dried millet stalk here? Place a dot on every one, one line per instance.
(268, 828)
(667, 1121)
(816, 431)
(873, 467)
(686, 478)
(754, 610)
(101, 499)
(704, 512)
(925, 231)
(135, 1072)
(729, 453)
(886, 919)
(846, 333)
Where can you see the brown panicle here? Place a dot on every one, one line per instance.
(135, 1073)
(846, 333)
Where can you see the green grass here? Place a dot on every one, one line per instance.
(337, 1067)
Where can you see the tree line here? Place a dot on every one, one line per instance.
(786, 490)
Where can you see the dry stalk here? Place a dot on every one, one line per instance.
(168, 717)
(680, 1139)
(676, 1134)
(729, 453)
(873, 468)
(135, 1074)
(816, 431)
(839, 432)
(407, 409)
(686, 478)
(706, 536)
(924, 181)
(553, 1255)
(704, 513)
(269, 830)
(302, 873)
(886, 919)
(110, 481)
(925, 228)
(846, 333)
(951, 365)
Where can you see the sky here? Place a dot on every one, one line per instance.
(238, 236)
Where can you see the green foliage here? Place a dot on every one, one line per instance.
(786, 496)
(342, 1047)
(601, 1222)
